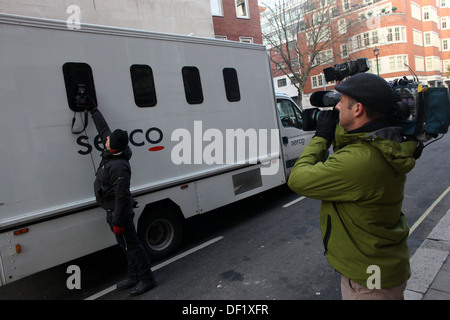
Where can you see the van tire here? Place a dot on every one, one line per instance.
(161, 231)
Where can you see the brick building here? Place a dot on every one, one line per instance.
(395, 35)
(237, 20)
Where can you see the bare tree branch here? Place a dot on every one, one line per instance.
(304, 35)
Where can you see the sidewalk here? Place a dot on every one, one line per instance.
(430, 266)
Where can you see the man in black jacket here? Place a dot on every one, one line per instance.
(112, 191)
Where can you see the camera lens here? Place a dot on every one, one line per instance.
(310, 117)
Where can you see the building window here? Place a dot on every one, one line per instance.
(398, 63)
(433, 63)
(374, 37)
(389, 35)
(346, 5)
(342, 26)
(323, 57)
(427, 39)
(445, 44)
(358, 41)
(426, 13)
(282, 82)
(415, 11)
(246, 39)
(396, 34)
(445, 25)
(419, 62)
(280, 66)
(432, 39)
(317, 81)
(318, 36)
(376, 67)
(417, 37)
(446, 64)
(430, 14)
(344, 51)
(242, 9)
(216, 8)
(366, 39)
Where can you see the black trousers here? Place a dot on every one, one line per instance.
(137, 258)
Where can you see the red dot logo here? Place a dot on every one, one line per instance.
(156, 148)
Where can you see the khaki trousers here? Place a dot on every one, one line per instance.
(353, 291)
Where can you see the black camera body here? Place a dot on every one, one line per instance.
(341, 71)
(81, 97)
(322, 99)
(420, 111)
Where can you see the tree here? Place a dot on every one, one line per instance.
(304, 34)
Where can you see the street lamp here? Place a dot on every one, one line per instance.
(376, 52)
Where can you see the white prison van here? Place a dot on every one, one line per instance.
(205, 127)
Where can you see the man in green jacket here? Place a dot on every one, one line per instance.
(361, 187)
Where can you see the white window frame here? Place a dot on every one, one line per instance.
(342, 26)
(419, 63)
(417, 37)
(346, 5)
(397, 63)
(344, 51)
(317, 81)
(415, 11)
(446, 44)
(445, 65)
(282, 82)
(216, 4)
(431, 39)
(445, 23)
(246, 39)
(247, 11)
(433, 63)
(322, 57)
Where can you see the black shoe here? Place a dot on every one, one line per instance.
(142, 287)
(126, 284)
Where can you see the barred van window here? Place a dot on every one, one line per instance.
(192, 85)
(143, 85)
(76, 74)
(231, 82)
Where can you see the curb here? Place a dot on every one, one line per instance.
(429, 263)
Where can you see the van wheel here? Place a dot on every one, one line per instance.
(160, 231)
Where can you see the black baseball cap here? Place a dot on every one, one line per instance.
(371, 90)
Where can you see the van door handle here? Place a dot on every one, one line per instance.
(285, 140)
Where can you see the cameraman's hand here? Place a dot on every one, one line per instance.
(326, 124)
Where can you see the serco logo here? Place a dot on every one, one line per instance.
(137, 138)
(211, 146)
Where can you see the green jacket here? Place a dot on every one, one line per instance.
(361, 187)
